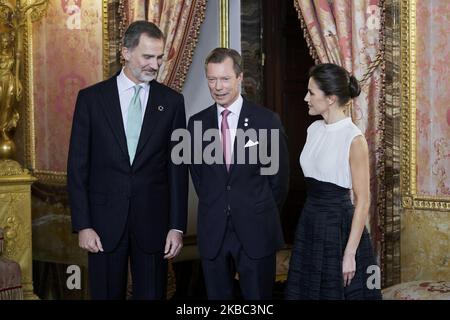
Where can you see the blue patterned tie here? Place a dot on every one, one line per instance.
(134, 123)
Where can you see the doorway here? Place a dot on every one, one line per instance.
(286, 64)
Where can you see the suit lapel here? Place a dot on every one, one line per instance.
(213, 120)
(113, 112)
(154, 110)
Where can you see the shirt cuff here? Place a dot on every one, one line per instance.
(178, 231)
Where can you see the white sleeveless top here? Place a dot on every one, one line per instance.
(325, 156)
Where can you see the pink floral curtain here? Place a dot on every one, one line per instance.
(348, 33)
(180, 22)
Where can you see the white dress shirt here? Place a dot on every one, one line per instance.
(126, 93)
(232, 118)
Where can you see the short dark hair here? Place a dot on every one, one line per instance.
(218, 55)
(135, 29)
(335, 80)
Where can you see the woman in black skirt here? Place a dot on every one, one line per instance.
(332, 257)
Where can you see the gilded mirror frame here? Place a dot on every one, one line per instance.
(224, 37)
(411, 198)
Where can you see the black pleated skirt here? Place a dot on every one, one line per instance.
(315, 270)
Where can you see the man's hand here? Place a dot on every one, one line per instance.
(174, 243)
(89, 240)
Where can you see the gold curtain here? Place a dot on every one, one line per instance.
(180, 22)
(349, 33)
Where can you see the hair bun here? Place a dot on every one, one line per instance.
(354, 87)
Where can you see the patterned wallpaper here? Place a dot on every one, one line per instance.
(60, 69)
(433, 96)
(425, 234)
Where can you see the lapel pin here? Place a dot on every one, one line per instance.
(160, 108)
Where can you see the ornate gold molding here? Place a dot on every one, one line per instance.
(15, 218)
(30, 138)
(14, 225)
(224, 37)
(410, 198)
(51, 177)
(178, 76)
(105, 39)
(11, 168)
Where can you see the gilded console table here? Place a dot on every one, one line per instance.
(15, 218)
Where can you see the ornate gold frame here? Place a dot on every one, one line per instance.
(48, 177)
(224, 37)
(410, 198)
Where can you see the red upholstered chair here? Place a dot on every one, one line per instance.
(10, 276)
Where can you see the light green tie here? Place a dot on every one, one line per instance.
(134, 123)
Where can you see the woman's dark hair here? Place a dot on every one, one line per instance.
(335, 80)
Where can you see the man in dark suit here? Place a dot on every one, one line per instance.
(128, 199)
(239, 228)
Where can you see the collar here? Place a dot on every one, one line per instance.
(234, 108)
(124, 83)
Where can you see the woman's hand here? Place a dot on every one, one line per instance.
(348, 268)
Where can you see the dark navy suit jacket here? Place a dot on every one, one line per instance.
(105, 191)
(253, 201)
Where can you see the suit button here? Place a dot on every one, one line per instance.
(228, 188)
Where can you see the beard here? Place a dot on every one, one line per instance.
(144, 76)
